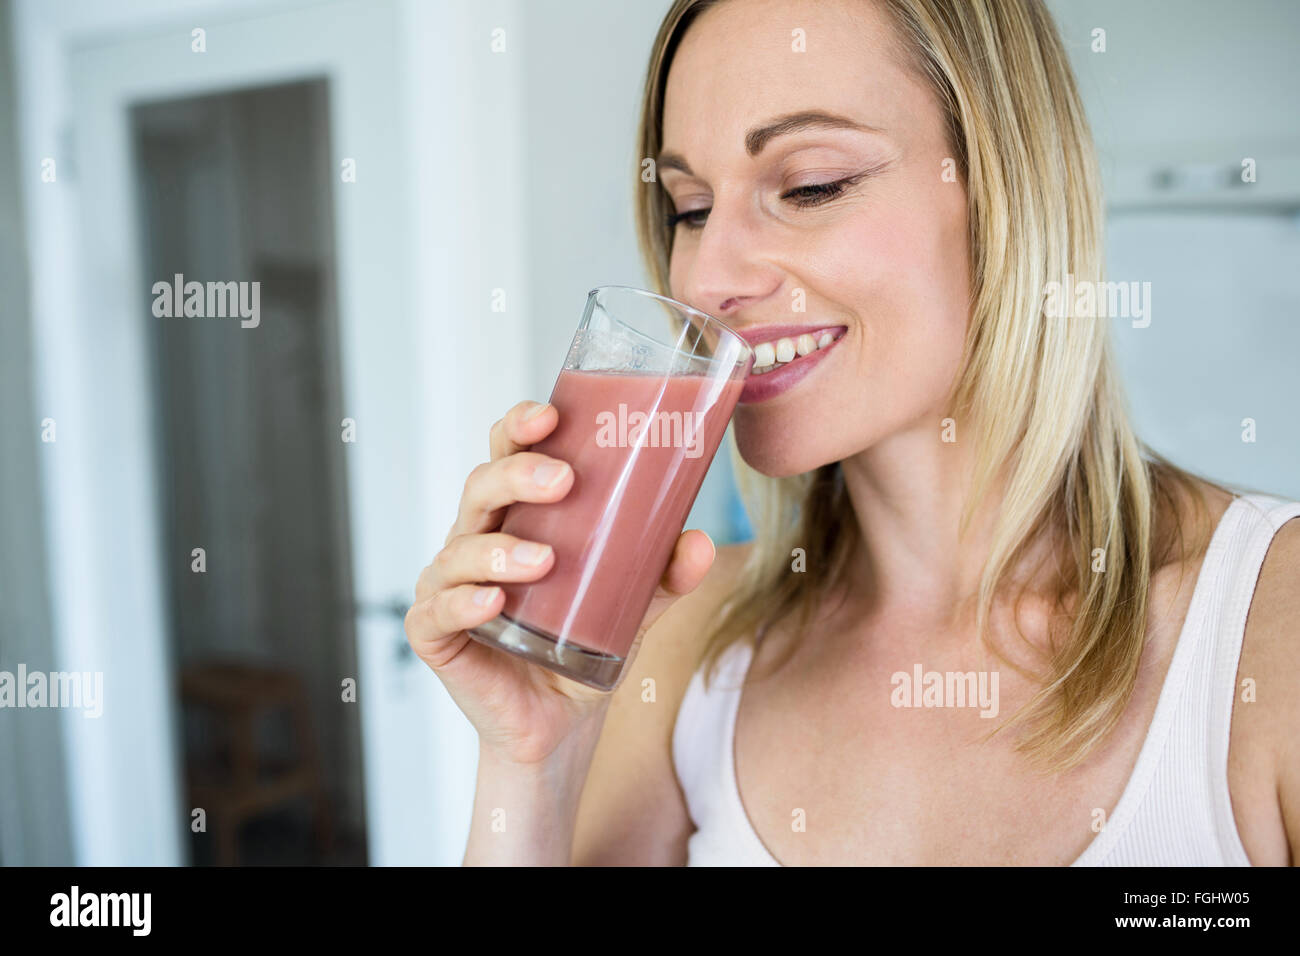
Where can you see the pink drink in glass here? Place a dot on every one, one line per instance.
(641, 415)
(640, 446)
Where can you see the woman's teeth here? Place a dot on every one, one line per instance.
(769, 356)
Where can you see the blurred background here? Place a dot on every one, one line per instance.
(227, 522)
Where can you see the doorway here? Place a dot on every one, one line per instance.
(234, 199)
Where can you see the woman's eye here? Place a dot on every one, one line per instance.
(818, 193)
(803, 196)
(685, 218)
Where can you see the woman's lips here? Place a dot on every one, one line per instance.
(760, 385)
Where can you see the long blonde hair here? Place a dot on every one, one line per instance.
(1039, 396)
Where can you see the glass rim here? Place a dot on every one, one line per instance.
(677, 303)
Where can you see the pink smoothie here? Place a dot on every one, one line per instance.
(639, 446)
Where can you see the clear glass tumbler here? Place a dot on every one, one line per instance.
(644, 399)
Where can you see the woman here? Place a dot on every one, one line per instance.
(955, 479)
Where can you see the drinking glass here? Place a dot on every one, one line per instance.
(644, 398)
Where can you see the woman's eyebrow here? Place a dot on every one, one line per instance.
(758, 137)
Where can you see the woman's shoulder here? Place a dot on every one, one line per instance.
(1273, 621)
(1266, 709)
(1198, 521)
(1264, 748)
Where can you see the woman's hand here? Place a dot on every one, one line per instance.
(522, 711)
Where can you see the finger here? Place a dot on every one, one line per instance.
(433, 623)
(491, 486)
(692, 558)
(525, 424)
(472, 558)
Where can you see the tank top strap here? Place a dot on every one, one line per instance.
(699, 747)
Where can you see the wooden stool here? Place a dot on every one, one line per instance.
(239, 694)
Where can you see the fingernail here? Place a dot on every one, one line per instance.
(548, 473)
(536, 410)
(530, 553)
(485, 596)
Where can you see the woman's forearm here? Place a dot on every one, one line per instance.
(525, 814)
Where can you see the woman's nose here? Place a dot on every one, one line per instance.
(726, 269)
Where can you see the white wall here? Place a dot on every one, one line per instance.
(1222, 345)
(463, 109)
(1186, 79)
(1200, 85)
(33, 817)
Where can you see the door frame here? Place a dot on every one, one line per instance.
(93, 361)
(434, 227)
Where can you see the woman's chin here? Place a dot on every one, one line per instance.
(776, 459)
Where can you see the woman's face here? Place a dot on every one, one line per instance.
(881, 261)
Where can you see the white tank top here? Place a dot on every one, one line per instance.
(1175, 809)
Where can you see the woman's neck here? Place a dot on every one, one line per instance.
(908, 494)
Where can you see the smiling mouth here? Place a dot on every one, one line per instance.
(778, 353)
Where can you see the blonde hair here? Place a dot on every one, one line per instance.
(1039, 396)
